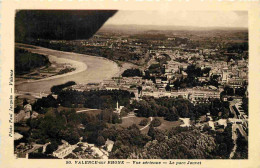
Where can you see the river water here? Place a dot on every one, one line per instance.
(96, 69)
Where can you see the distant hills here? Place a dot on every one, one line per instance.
(83, 24)
(155, 28)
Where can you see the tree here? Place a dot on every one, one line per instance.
(206, 128)
(40, 150)
(33, 155)
(124, 112)
(222, 149)
(228, 91)
(151, 132)
(51, 101)
(78, 149)
(168, 88)
(240, 91)
(139, 89)
(224, 138)
(162, 111)
(26, 61)
(242, 147)
(100, 141)
(143, 122)
(17, 109)
(132, 94)
(109, 133)
(51, 147)
(116, 119)
(72, 136)
(106, 115)
(225, 113)
(172, 116)
(25, 102)
(245, 105)
(58, 88)
(132, 72)
(190, 144)
(156, 122)
(160, 135)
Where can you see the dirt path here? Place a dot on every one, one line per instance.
(234, 137)
(151, 118)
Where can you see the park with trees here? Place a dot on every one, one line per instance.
(174, 108)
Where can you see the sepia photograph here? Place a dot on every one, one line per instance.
(131, 84)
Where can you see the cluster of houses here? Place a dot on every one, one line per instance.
(148, 88)
(218, 125)
(65, 149)
(233, 74)
(196, 94)
(25, 114)
(86, 150)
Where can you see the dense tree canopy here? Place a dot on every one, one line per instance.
(26, 61)
(186, 144)
(156, 122)
(173, 108)
(51, 148)
(245, 105)
(242, 147)
(143, 122)
(100, 99)
(224, 143)
(132, 73)
(58, 88)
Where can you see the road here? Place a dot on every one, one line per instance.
(234, 132)
(96, 69)
(86, 110)
(234, 137)
(239, 126)
(232, 110)
(242, 131)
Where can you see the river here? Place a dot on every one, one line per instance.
(88, 69)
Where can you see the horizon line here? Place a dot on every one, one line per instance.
(174, 26)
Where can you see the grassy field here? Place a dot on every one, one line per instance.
(127, 122)
(166, 125)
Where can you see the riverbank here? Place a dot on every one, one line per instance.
(88, 69)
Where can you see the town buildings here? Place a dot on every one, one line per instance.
(23, 114)
(63, 150)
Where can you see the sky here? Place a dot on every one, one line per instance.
(181, 18)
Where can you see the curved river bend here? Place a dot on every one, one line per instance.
(88, 69)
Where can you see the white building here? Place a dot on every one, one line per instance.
(34, 115)
(109, 144)
(27, 108)
(225, 74)
(118, 108)
(64, 149)
(21, 115)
